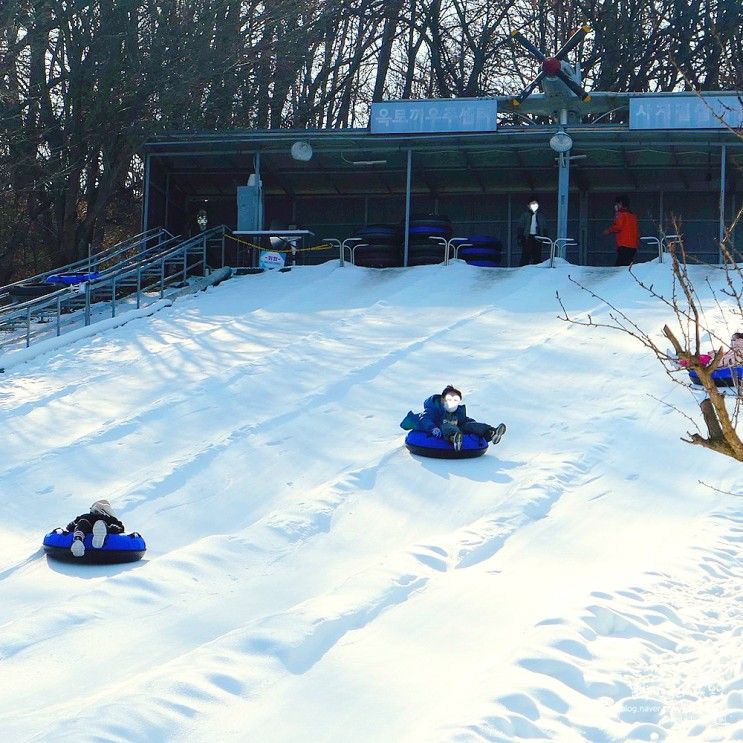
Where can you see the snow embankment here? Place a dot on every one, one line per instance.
(308, 579)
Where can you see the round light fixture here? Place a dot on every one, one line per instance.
(561, 142)
(302, 151)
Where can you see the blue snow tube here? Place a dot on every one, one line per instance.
(422, 443)
(725, 376)
(71, 278)
(116, 548)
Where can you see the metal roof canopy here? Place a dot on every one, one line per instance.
(507, 160)
(513, 159)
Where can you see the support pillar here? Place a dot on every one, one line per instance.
(583, 228)
(563, 186)
(408, 181)
(723, 178)
(509, 230)
(146, 205)
(260, 187)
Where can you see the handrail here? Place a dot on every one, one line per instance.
(179, 248)
(353, 248)
(555, 245)
(451, 246)
(336, 243)
(9, 312)
(106, 254)
(153, 258)
(463, 243)
(652, 240)
(347, 246)
(660, 242)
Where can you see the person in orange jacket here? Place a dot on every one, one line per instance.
(626, 232)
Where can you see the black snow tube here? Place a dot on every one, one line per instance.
(116, 548)
(422, 250)
(425, 445)
(381, 248)
(482, 250)
(32, 290)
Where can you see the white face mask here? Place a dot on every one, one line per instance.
(534, 206)
(452, 402)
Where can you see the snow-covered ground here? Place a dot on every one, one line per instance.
(308, 579)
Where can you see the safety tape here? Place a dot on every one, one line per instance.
(323, 246)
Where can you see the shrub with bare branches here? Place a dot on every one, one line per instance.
(690, 328)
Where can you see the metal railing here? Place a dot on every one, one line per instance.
(351, 244)
(555, 245)
(453, 246)
(138, 274)
(661, 243)
(146, 239)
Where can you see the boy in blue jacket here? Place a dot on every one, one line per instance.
(444, 416)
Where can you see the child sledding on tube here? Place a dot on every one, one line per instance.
(444, 416)
(99, 521)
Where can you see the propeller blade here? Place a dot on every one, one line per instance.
(518, 36)
(527, 91)
(577, 89)
(573, 41)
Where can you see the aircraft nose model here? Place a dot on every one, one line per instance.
(557, 77)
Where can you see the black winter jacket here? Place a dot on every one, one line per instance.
(114, 525)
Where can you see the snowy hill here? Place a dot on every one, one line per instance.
(307, 579)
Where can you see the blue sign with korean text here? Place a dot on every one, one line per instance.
(434, 116)
(685, 112)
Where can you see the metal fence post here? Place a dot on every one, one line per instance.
(59, 312)
(139, 285)
(87, 303)
(162, 278)
(28, 327)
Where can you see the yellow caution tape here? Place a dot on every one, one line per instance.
(323, 246)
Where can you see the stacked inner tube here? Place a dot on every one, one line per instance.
(381, 247)
(482, 250)
(422, 250)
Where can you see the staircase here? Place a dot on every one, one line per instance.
(132, 273)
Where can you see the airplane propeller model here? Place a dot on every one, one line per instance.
(553, 69)
(561, 85)
(565, 101)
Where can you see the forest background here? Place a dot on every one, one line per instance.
(83, 84)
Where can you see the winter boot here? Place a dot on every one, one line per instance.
(456, 441)
(77, 547)
(99, 534)
(498, 432)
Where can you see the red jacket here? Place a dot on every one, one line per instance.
(626, 230)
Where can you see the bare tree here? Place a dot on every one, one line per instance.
(691, 327)
(84, 82)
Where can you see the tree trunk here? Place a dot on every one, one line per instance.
(713, 425)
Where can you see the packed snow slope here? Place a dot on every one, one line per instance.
(308, 579)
